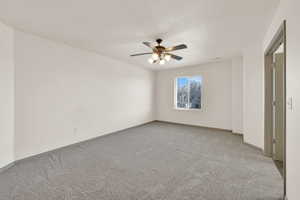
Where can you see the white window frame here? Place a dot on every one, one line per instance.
(175, 93)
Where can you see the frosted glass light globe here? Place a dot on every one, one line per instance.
(162, 62)
(150, 60)
(168, 57)
(155, 56)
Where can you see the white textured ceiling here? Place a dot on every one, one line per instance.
(116, 28)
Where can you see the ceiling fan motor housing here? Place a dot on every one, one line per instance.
(159, 50)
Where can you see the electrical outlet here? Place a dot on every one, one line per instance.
(75, 131)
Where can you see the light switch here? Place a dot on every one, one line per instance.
(289, 103)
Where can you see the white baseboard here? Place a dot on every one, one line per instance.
(6, 167)
(73, 144)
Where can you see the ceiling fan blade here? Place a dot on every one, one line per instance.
(174, 56)
(140, 54)
(178, 47)
(148, 44)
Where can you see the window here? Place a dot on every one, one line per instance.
(188, 92)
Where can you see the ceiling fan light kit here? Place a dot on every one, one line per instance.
(161, 54)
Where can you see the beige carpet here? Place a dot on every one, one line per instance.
(157, 161)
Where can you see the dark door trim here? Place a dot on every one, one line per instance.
(278, 39)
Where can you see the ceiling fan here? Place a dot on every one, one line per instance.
(161, 54)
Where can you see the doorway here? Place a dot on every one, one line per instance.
(275, 101)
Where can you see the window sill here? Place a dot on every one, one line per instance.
(187, 109)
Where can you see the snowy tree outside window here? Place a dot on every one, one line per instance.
(188, 92)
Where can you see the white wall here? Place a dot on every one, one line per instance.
(289, 10)
(6, 96)
(253, 99)
(216, 96)
(237, 95)
(65, 95)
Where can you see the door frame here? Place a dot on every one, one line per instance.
(278, 39)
